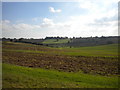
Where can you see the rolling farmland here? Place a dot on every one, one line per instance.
(83, 63)
(60, 44)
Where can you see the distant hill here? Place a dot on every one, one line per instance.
(93, 41)
(69, 42)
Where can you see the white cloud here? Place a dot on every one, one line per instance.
(35, 19)
(83, 25)
(46, 28)
(5, 21)
(51, 9)
(19, 21)
(47, 21)
(101, 19)
(98, 6)
(17, 30)
(88, 5)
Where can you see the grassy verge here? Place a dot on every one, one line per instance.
(23, 77)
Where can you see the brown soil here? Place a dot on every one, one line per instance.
(93, 65)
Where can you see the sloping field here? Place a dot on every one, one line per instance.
(110, 50)
(59, 67)
(22, 77)
(101, 51)
(58, 59)
(54, 41)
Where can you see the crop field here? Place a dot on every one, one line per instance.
(41, 66)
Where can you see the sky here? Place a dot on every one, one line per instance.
(72, 19)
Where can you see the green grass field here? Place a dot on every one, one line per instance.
(110, 50)
(103, 50)
(15, 76)
(22, 77)
(54, 41)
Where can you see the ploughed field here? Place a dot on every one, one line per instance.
(102, 60)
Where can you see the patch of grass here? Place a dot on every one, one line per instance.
(54, 41)
(23, 77)
(103, 50)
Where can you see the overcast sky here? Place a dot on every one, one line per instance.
(79, 19)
